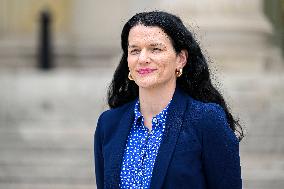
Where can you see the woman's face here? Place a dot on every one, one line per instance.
(152, 60)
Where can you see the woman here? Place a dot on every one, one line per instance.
(167, 126)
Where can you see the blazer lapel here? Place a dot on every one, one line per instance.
(119, 146)
(173, 127)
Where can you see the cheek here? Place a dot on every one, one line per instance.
(167, 66)
(131, 63)
(166, 58)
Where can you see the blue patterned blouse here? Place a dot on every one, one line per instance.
(141, 150)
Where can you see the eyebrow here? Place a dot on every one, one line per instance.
(132, 46)
(156, 44)
(152, 45)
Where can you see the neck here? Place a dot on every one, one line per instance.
(154, 100)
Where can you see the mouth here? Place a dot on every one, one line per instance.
(145, 71)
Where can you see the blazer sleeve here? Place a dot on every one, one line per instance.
(220, 156)
(99, 159)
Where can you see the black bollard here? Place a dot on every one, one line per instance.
(45, 51)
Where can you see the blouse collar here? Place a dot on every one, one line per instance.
(159, 118)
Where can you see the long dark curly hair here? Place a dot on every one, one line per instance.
(195, 79)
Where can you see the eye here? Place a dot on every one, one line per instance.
(134, 51)
(156, 49)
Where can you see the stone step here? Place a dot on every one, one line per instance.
(263, 184)
(37, 123)
(47, 166)
(38, 158)
(262, 144)
(67, 138)
(57, 173)
(47, 185)
(262, 170)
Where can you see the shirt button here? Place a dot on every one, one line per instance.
(155, 120)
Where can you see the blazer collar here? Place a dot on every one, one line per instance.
(120, 139)
(171, 134)
(172, 130)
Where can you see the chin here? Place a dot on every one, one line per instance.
(147, 83)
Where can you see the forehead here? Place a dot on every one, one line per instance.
(141, 33)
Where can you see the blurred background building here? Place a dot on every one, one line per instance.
(48, 116)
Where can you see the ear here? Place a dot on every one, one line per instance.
(183, 55)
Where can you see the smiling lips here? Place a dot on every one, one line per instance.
(145, 71)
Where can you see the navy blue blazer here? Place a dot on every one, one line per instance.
(198, 149)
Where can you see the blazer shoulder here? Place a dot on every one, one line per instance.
(113, 116)
(211, 119)
(207, 110)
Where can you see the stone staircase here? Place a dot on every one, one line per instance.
(257, 99)
(47, 121)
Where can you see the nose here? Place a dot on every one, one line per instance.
(143, 57)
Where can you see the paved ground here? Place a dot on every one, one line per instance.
(47, 120)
